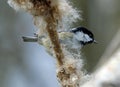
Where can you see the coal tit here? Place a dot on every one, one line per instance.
(74, 38)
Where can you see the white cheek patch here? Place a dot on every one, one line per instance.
(80, 36)
(87, 38)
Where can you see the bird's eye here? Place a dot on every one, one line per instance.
(90, 35)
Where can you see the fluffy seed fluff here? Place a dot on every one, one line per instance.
(66, 15)
(72, 63)
(56, 14)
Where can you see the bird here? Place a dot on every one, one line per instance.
(73, 39)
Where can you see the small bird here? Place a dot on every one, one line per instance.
(73, 38)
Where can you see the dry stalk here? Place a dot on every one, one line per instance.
(50, 13)
(52, 32)
(51, 17)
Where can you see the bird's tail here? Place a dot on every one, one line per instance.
(29, 39)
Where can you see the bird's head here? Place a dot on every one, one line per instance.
(83, 35)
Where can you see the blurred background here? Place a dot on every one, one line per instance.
(28, 65)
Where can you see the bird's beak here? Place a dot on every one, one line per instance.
(95, 42)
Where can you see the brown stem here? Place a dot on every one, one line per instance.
(52, 18)
(52, 32)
